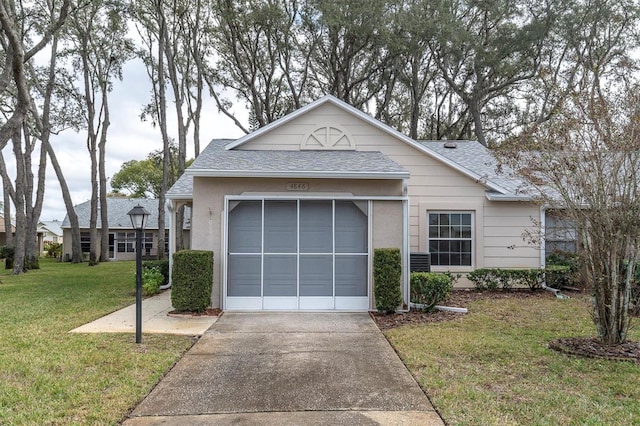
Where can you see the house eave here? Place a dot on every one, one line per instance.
(180, 196)
(506, 197)
(287, 174)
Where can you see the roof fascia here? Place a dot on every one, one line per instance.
(502, 197)
(294, 174)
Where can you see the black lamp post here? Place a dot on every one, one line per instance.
(138, 216)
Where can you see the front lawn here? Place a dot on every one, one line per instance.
(49, 376)
(492, 366)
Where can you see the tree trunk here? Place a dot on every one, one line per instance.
(162, 120)
(33, 249)
(104, 217)
(474, 109)
(7, 215)
(18, 201)
(76, 247)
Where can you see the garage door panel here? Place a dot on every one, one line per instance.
(244, 275)
(280, 275)
(351, 228)
(316, 275)
(280, 230)
(316, 226)
(245, 227)
(351, 275)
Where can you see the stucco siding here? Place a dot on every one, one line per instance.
(208, 209)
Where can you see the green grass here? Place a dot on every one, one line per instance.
(50, 376)
(493, 366)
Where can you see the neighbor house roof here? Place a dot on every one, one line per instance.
(53, 226)
(117, 209)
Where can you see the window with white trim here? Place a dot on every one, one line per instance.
(450, 238)
(126, 242)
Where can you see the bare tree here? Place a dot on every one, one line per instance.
(22, 24)
(98, 47)
(586, 163)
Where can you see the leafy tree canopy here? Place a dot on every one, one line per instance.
(143, 178)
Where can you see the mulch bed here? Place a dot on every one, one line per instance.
(576, 346)
(592, 348)
(209, 312)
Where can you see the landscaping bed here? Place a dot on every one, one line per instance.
(458, 299)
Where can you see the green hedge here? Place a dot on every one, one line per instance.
(555, 276)
(387, 278)
(192, 279)
(430, 289)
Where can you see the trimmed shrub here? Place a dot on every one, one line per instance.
(484, 279)
(568, 259)
(161, 265)
(558, 276)
(430, 289)
(192, 277)
(494, 278)
(387, 278)
(8, 253)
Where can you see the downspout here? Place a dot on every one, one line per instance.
(406, 276)
(172, 241)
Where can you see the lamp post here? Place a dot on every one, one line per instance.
(138, 216)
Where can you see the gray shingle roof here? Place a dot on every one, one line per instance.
(183, 188)
(117, 209)
(479, 160)
(216, 158)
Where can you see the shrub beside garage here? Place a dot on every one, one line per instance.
(192, 280)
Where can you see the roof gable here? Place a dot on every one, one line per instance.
(472, 173)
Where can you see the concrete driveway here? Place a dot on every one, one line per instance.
(286, 369)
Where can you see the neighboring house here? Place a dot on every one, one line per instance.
(294, 211)
(49, 232)
(122, 237)
(3, 235)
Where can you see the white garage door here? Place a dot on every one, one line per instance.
(297, 254)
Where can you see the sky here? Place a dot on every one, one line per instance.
(128, 139)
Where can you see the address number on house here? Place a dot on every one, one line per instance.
(297, 186)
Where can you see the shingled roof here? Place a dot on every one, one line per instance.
(480, 161)
(117, 209)
(216, 160)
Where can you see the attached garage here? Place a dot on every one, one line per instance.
(298, 254)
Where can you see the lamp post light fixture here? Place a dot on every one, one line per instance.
(138, 216)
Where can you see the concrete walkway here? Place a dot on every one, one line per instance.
(288, 369)
(154, 320)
